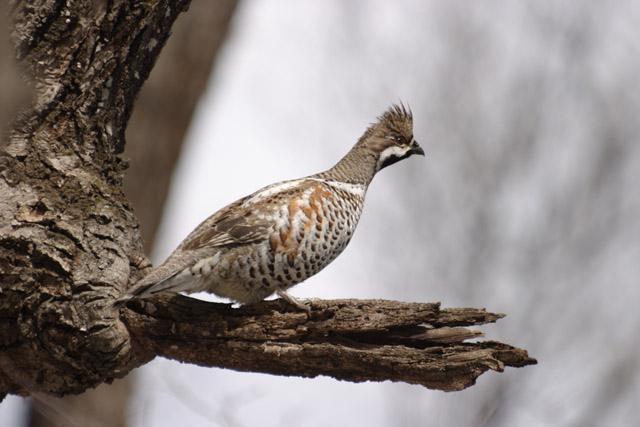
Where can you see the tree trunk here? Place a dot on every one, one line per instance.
(70, 243)
(155, 136)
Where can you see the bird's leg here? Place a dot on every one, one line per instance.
(291, 300)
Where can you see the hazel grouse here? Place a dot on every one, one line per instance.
(280, 235)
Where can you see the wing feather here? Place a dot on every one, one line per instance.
(234, 225)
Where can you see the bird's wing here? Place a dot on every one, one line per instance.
(251, 219)
(232, 226)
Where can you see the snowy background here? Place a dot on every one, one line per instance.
(527, 203)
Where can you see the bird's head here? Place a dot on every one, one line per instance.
(390, 138)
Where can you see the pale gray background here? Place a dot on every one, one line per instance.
(527, 203)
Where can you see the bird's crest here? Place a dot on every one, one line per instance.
(397, 120)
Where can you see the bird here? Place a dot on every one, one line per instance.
(277, 237)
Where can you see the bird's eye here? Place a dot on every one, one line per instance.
(395, 138)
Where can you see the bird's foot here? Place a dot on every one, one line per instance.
(291, 300)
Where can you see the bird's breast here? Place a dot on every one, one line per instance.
(315, 230)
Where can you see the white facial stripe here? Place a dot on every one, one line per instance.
(392, 151)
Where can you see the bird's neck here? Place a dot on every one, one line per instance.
(358, 166)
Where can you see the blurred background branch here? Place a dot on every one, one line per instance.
(14, 90)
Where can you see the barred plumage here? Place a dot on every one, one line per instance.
(285, 233)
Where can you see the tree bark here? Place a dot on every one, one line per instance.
(155, 135)
(68, 237)
(353, 340)
(70, 244)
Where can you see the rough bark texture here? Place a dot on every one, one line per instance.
(354, 340)
(70, 244)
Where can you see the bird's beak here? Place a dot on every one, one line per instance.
(416, 149)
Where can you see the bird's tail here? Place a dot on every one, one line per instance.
(150, 286)
(139, 290)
